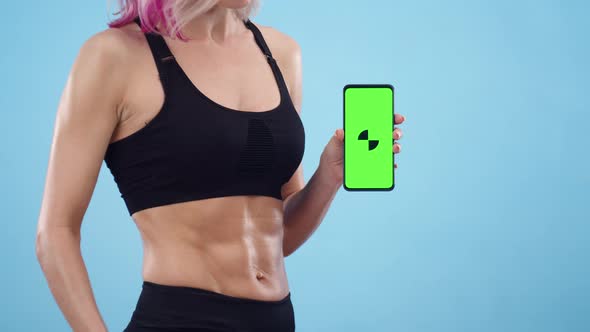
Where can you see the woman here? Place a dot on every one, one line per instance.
(197, 118)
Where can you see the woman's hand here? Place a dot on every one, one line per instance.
(332, 158)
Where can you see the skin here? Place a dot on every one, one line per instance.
(232, 245)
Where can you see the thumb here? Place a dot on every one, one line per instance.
(338, 135)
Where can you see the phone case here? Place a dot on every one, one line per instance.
(368, 122)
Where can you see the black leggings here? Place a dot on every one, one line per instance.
(164, 308)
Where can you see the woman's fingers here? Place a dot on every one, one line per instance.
(397, 133)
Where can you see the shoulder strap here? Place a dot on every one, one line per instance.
(160, 50)
(259, 40)
(266, 50)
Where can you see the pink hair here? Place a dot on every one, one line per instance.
(172, 15)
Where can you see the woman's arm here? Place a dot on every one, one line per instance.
(305, 209)
(87, 115)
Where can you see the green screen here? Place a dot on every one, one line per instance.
(368, 140)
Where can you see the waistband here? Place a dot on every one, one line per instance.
(185, 290)
(181, 308)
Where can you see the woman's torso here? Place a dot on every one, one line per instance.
(231, 245)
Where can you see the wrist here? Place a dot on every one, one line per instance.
(328, 177)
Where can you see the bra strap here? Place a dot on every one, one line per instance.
(160, 51)
(260, 40)
(266, 50)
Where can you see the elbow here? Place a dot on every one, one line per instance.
(41, 246)
(287, 248)
(286, 253)
(51, 239)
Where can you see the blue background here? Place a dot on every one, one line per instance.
(486, 230)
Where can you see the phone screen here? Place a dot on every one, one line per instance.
(368, 140)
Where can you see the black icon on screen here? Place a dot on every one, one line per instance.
(364, 135)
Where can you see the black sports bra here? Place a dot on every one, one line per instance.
(195, 148)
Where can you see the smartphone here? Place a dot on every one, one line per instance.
(368, 137)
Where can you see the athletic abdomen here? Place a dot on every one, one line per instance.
(232, 245)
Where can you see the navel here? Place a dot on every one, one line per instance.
(259, 273)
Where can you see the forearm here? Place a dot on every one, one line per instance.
(305, 209)
(59, 254)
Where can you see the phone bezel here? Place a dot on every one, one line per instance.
(348, 86)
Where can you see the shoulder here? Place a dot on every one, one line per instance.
(102, 58)
(113, 49)
(111, 46)
(106, 59)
